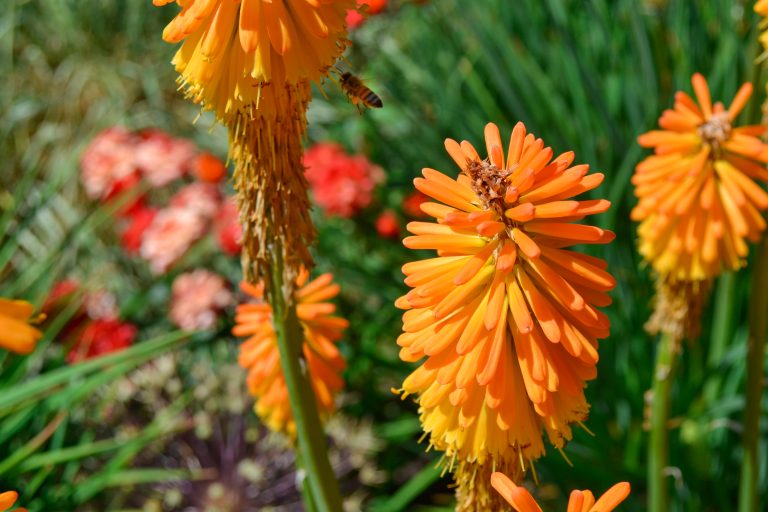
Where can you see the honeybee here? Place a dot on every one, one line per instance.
(358, 92)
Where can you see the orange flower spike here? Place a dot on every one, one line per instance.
(504, 314)
(259, 353)
(704, 165)
(580, 501)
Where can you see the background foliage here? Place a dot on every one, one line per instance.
(584, 75)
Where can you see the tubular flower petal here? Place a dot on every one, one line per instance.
(16, 333)
(698, 202)
(7, 500)
(238, 54)
(505, 315)
(259, 353)
(580, 501)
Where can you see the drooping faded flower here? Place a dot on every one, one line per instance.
(252, 61)
(197, 299)
(579, 501)
(16, 333)
(259, 353)
(506, 315)
(698, 203)
(7, 500)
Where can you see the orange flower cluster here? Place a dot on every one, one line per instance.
(506, 315)
(16, 333)
(698, 201)
(259, 354)
(580, 501)
(238, 54)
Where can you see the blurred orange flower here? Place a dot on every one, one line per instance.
(506, 315)
(580, 501)
(7, 499)
(698, 200)
(16, 334)
(259, 354)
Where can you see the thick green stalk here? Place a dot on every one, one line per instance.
(749, 500)
(323, 487)
(658, 456)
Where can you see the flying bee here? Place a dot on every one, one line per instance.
(358, 92)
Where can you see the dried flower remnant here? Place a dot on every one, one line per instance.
(580, 501)
(341, 184)
(259, 353)
(506, 315)
(251, 62)
(698, 201)
(197, 299)
(16, 331)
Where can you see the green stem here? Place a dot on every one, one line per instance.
(722, 332)
(306, 491)
(323, 487)
(658, 457)
(749, 500)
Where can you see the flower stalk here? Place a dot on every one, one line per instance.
(758, 326)
(320, 478)
(658, 457)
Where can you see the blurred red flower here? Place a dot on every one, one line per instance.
(356, 17)
(198, 296)
(108, 159)
(342, 184)
(227, 228)
(412, 205)
(138, 224)
(162, 158)
(210, 169)
(387, 225)
(100, 337)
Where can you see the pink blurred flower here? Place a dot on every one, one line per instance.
(356, 17)
(101, 305)
(198, 297)
(341, 184)
(162, 158)
(101, 337)
(203, 198)
(229, 232)
(387, 225)
(138, 223)
(108, 159)
(170, 235)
